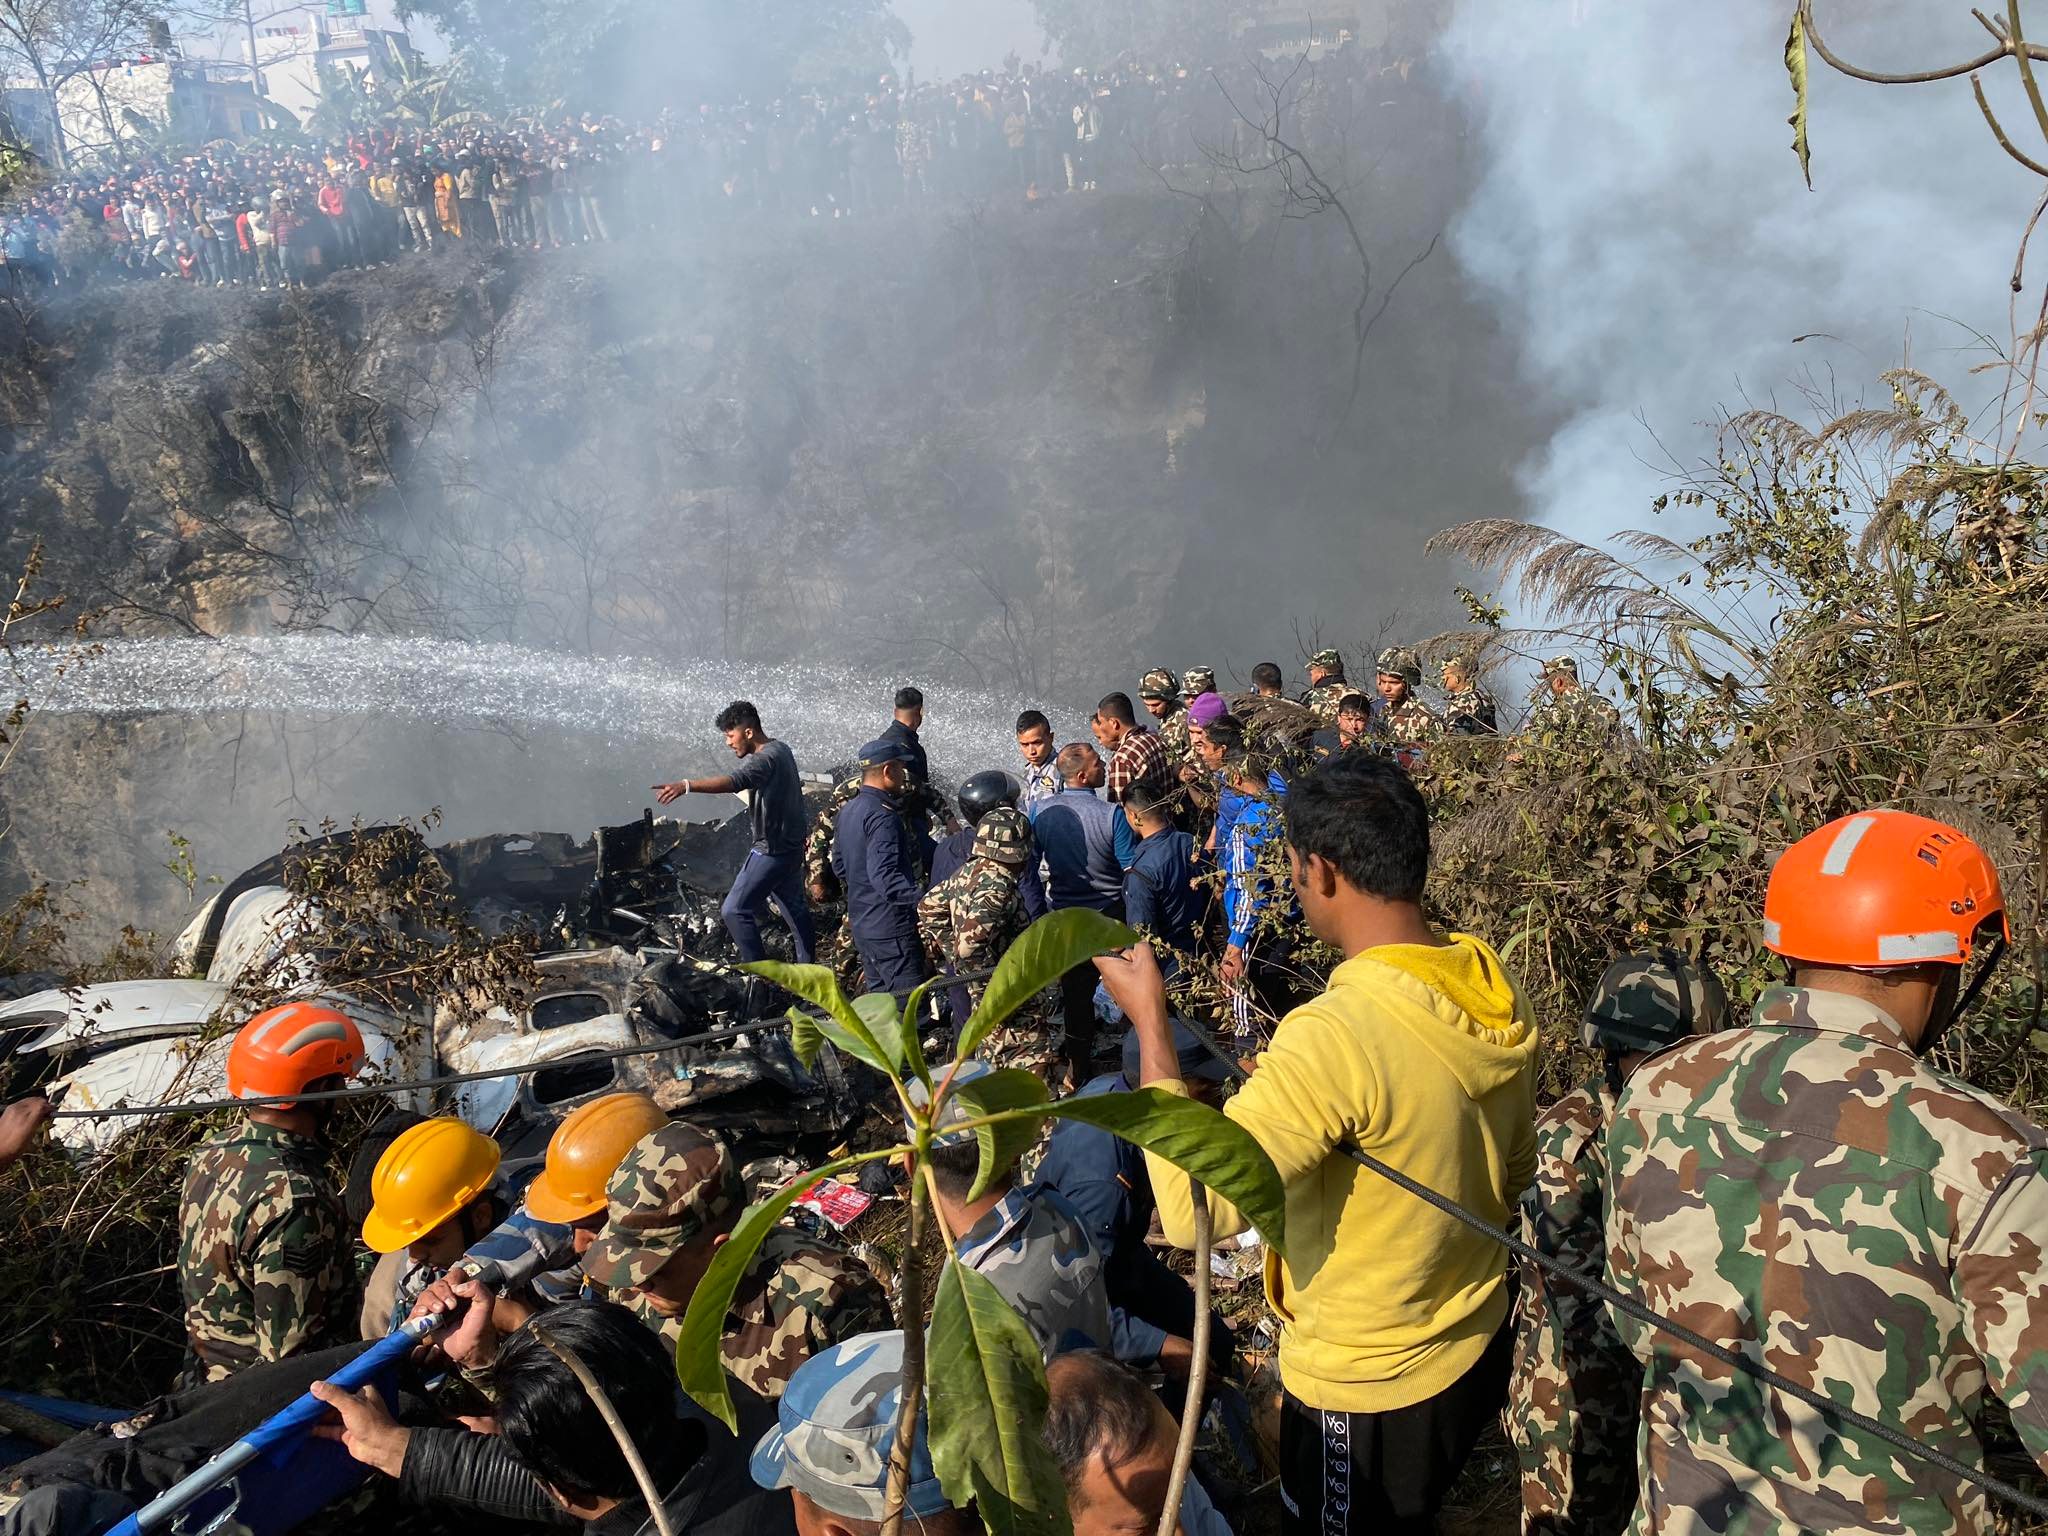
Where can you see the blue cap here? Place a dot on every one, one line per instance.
(1196, 1059)
(885, 749)
(835, 1427)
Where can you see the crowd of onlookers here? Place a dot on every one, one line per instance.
(279, 216)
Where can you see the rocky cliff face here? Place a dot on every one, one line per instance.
(1034, 447)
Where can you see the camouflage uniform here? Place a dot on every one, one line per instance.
(263, 1255)
(1197, 681)
(1410, 723)
(835, 1429)
(798, 1298)
(1810, 1191)
(1035, 1250)
(1322, 697)
(1469, 710)
(1572, 1397)
(1578, 714)
(969, 918)
(1173, 725)
(680, 1185)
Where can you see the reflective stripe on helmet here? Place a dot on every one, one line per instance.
(1774, 932)
(1843, 848)
(1901, 947)
(313, 1034)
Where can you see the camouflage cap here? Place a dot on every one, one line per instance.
(835, 1426)
(1328, 659)
(1463, 662)
(676, 1183)
(1402, 662)
(1568, 665)
(1157, 684)
(1004, 836)
(1198, 680)
(953, 1111)
(1646, 1002)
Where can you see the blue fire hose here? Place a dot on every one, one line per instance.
(278, 1474)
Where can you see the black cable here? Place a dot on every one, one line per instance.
(449, 1080)
(2032, 1503)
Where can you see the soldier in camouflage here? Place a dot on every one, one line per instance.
(1159, 692)
(1197, 681)
(969, 918)
(1572, 1410)
(1326, 686)
(1570, 712)
(819, 877)
(1027, 1242)
(670, 1204)
(1408, 721)
(264, 1259)
(1809, 1191)
(1469, 710)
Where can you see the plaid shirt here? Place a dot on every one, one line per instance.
(1139, 759)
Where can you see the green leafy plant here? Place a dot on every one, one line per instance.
(978, 1363)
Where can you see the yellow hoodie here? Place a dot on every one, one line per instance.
(1425, 1057)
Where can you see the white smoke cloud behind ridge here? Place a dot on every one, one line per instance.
(1643, 224)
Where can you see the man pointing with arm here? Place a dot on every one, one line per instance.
(1394, 1350)
(773, 872)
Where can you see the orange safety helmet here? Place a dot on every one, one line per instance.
(281, 1050)
(1881, 889)
(424, 1177)
(585, 1151)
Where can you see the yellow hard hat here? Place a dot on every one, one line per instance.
(584, 1151)
(424, 1177)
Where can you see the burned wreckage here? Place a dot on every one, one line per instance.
(631, 953)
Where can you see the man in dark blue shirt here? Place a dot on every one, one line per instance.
(1159, 895)
(903, 731)
(878, 868)
(774, 871)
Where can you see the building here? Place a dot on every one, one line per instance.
(124, 99)
(293, 42)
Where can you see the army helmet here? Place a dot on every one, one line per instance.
(1566, 666)
(1402, 662)
(1328, 660)
(1159, 683)
(1004, 836)
(1646, 1002)
(1197, 681)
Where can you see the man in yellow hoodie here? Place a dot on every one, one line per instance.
(1395, 1347)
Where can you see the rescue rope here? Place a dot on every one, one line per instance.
(1898, 1441)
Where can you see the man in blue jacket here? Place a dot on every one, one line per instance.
(1159, 894)
(1078, 832)
(878, 867)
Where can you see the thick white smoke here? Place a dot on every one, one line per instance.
(1644, 227)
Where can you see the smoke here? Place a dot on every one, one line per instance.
(1642, 224)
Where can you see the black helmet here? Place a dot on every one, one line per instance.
(986, 790)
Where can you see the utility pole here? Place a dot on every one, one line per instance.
(255, 65)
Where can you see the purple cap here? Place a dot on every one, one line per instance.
(1205, 707)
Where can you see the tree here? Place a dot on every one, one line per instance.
(56, 41)
(986, 1440)
(1093, 32)
(624, 55)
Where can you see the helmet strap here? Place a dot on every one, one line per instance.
(1976, 986)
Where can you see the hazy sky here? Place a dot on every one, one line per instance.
(953, 36)
(1656, 257)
